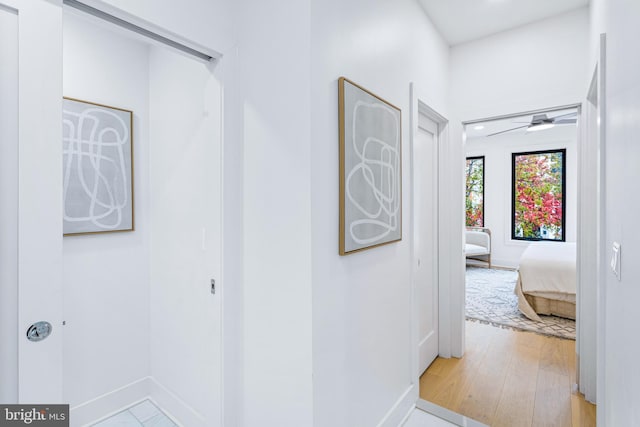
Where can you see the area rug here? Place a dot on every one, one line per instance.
(490, 299)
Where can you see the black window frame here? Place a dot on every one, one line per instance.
(484, 165)
(564, 194)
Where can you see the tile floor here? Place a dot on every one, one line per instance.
(143, 414)
(146, 414)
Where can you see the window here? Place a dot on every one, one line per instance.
(474, 192)
(538, 192)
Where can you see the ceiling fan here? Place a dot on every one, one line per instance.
(542, 121)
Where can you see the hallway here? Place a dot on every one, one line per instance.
(510, 378)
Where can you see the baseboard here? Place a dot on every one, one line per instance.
(110, 403)
(504, 264)
(447, 415)
(400, 410)
(178, 410)
(407, 416)
(497, 264)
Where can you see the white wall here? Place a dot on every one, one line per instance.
(618, 392)
(274, 59)
(497, 150)
(533, 67)
(185, 177)
(106, 276)
(361, 302)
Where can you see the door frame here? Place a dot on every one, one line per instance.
(39, 367)
(423, 172)
(592, 251)
(582, 113)
(420, 105)
(600, 365)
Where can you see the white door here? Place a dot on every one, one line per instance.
(425, 163)
(8, 203)
(39, 207)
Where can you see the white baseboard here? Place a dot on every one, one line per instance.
(177, 409)
(504, 264)
(115, 401)
(110, 403)
(497, 263)
(403, 406)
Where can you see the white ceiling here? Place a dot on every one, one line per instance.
(493, 126)
(460, 21)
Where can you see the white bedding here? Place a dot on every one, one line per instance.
(548, 269)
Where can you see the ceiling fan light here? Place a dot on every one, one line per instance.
(539, 126)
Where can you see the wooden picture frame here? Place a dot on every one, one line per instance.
(97, 145)
(370, 169)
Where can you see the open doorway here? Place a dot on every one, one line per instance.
(521, 221)
(508, 371)
(144, 289)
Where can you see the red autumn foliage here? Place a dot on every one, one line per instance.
(538, 195)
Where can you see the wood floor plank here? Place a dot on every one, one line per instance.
(569, 349)
(481, 399)
(454, 376)
(515, 408)
(583, 413)
(553, 400)
(510, 378)
(448, 388)
(553, 356)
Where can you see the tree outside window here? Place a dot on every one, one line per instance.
(538, 208)
(474, 192)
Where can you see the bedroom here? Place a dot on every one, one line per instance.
(522, 205)
(522, 190)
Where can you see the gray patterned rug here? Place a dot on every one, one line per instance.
(490, 299)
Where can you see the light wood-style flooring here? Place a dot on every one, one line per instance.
(510, 378)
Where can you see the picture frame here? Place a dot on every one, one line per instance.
(370, 134)
(97, 146)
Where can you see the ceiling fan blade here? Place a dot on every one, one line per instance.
(539, 118)
(572, 114)
(565, 121)
(508, 130)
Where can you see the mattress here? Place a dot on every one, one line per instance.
(547, 270)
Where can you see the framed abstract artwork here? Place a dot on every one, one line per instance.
(370, 169)
(97, 147)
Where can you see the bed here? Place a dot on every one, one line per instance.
(547, 280)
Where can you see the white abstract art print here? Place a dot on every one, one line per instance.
(370, 169)
(97, 168)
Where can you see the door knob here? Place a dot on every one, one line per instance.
(39, 331)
